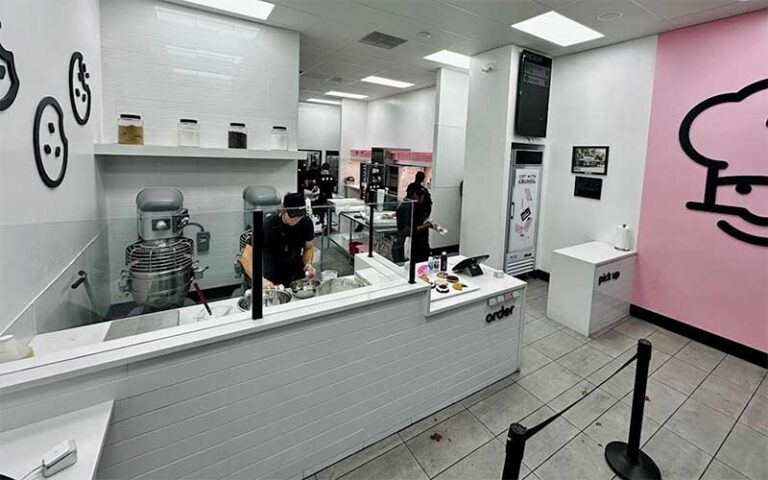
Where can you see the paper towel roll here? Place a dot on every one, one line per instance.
(622, 240)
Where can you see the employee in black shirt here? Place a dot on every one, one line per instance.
(413, 205)
(288, 244)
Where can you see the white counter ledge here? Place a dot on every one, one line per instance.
(23, 447)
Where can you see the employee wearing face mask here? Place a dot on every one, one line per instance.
(288, 246)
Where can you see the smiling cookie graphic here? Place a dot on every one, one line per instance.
(740, 196)
(50, 142)
(9, 80)
(79, 90)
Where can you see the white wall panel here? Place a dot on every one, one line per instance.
(599, 97)
(402, 121)
(319, 126)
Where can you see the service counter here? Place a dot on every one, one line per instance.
(281, 397)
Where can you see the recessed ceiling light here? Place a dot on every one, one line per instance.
(450, 58)
(424, 35)
(255, 9)
(356, 96)
(386, 81)
(609, 16)
(320, 100)
(556, 28)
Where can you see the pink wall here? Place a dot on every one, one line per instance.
(688, 268)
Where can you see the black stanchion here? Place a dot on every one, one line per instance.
(626, 459)
(515, 451)
(370, 232)
(411, 260)
(257, 274)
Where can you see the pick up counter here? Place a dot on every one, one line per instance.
(284, 396)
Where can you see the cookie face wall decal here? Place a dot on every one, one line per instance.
(9, 80)
(79, 90)
(50, 142)
(738, 193)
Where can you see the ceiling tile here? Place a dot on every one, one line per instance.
(635, 20)
(738, 8)
(670, 9)
(504, 12)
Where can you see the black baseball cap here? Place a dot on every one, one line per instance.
(294, 205)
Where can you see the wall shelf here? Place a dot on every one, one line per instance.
(108, 150)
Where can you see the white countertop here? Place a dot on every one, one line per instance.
(488, 286)
(595, 252)
(23, 447)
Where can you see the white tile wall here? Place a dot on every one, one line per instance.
(166, 62)
(284, 403)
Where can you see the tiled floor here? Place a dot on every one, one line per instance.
(706, 413)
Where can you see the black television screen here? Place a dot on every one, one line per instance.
(533, 79)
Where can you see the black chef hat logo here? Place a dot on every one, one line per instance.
(8, 69)
(742, 183)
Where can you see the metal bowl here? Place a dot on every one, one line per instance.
(305, 288)
(269, 297)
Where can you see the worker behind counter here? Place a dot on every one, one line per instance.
(288, 246)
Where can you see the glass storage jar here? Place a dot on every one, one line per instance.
(130, 129)
(238, 136)
(189, 133)
(279, 138)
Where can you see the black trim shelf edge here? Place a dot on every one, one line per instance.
(723, 344)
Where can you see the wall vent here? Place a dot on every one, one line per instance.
(382, 40)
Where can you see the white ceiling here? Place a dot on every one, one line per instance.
(333, 59)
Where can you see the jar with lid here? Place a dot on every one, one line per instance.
(279, 138)
(189, 133)
(130, 129)
(238, 136)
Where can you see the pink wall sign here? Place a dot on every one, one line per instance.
(703, 235)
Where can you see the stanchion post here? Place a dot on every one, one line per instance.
(257, 235)
(515, 452)
(411, 260)
(626, 459)
(370, 232)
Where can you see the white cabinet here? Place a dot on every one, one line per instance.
(590, 286)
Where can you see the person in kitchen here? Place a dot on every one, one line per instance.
(288, 246)
(413, 205)
(427, 203)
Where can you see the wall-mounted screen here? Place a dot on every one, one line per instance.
(533, 79)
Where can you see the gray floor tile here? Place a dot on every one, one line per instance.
(679, 375)
(446, 443)
(745, 450)
(581, 459)
(491, 389)
(426, 423)
(613, 426)
(547, 441)
(619, 385)
(485, 463)
(612, 343)
(701, 356)
(635, 328)
(585, 360)
(667, 341)
(532, 360)
(558, 344)
(677, 458)
(700, 425)
(756, 414)
(717, 470)
(763, 390)
(722, 395)
(536, 330)
(744, 374)
(397, 463)
(549, 382)
(588, 409)
(358, 459)
(661, 400)
(507, 406)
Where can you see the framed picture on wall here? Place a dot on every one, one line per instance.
(590, 160)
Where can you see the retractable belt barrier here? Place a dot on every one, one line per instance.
(625, 459)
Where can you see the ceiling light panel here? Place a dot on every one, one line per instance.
(326, 102)
(386, 81)
(557, 29)
(250, 9)
(356, 96)
(448, 57)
